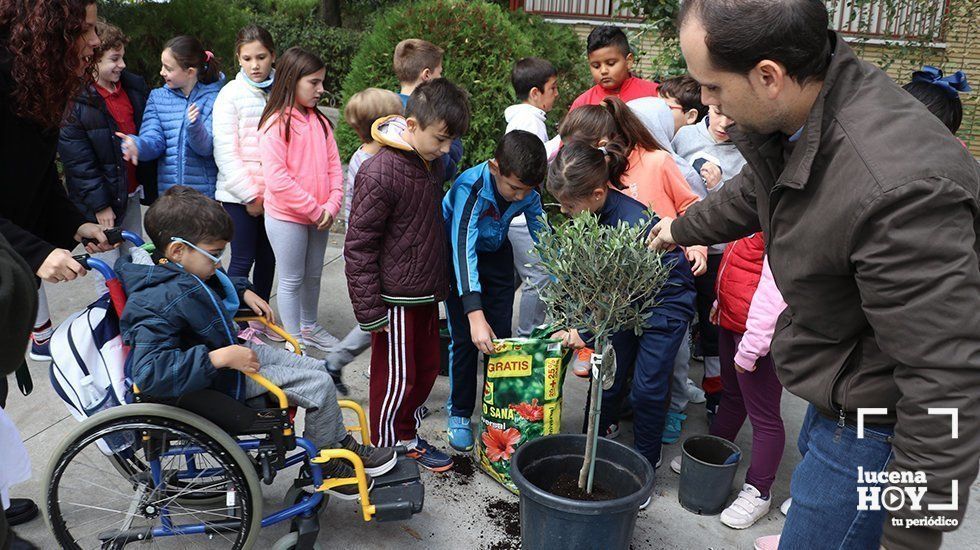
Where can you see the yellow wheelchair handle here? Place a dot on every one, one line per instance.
(274, 328)
(326, 455)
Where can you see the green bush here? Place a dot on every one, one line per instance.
(335, 46)
(481, 41)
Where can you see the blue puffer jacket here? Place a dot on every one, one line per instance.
(172, 321)
(185, 150)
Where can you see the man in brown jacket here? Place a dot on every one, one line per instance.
(870, 208)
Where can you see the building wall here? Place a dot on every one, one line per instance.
(960, 52)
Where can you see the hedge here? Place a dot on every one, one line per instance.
(481, 41)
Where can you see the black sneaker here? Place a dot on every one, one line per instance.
(339, 468)
(338, 383)
(378, 461)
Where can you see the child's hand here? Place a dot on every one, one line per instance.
(711, 174)
(106, 217)
(192, 113)
(379, 330)
(713, 314)
(569, 339)
(256, 207)
(698, 259)
(739, 369)
(238, 358)
(259, 306)
(131, 153)
(480, 332)
(325, 222)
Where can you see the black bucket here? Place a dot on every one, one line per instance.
(549, 521)
(706, 479)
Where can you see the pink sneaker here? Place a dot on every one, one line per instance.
(260, 328)
(770, 542)
(250, 335)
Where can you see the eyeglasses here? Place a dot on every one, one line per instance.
(676, 108)
(208, 255)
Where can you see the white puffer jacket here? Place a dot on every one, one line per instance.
(237, 110)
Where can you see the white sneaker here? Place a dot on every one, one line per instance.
(694, 393)
(747, 508)
(318, 337)
(784, 507)
(302, 347)
(646, 503)
(675, 464)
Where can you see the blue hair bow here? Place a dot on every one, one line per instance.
(952, 84)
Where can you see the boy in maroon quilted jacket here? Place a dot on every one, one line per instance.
(397, 271)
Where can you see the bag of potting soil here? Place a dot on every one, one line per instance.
(521, 399)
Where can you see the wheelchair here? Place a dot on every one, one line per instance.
(186, 472)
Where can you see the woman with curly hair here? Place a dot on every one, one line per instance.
(45, 53)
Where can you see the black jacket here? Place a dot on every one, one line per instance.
(872, 228)
(35, 214)
(91, 154)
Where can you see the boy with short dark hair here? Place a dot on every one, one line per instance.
(396, 261)
(683, 95)
(478, 211)
(611, 63)
(179, 322)
(417, 61)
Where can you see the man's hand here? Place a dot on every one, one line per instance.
(325, 222)
(97, 233)
(60, 266)
(660, 237)
(480, 332)
(712, 174)
(256, 207)
(130, 151)
(569, 339)
(106, 217)
(259, 306)
(236, 357)
(698, 259)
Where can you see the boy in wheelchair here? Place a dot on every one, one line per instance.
(179, 323)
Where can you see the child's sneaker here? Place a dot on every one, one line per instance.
(428, 456)
(673, 427)
(784, 507)
(262, 329)
(675, 464)
(769, 542)
(582, 362)
(339, 468)
(250, 335)
(747, 508)
(318, 337)
(460, 433)
(338, 382)
(378, 461)
(41, 342)
(612, 431)
(302, 347)
(694, 392)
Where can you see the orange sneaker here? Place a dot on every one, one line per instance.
(582, 363)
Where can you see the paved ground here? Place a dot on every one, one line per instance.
(461, 511)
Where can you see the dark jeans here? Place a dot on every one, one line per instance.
(497, 295)
(705, 286)
(824, 486)
(649, 358)
(250, 245)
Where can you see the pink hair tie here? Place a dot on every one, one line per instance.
(208, 56)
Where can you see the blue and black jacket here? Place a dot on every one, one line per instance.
(475, 223)
(172, 321)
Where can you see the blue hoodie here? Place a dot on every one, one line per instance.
(172, 320)
(186, 149)
(474, 224)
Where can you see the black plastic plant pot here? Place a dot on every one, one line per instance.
(707, 473)
(549, 521)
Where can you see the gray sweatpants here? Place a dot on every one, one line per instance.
(533, 277)
(307, 384)
(350, 347)
(299, 251)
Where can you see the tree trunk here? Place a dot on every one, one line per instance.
(585, 476)
(330, 12)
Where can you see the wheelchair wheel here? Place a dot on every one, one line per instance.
(288, 542)
(91, 506)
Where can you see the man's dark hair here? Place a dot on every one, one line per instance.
(741, 33)
(947, 109)
(687, 92)
(608, 35)
(185, 213)
(438, 101)
(521, 154)
(530, 73)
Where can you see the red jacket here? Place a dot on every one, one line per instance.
(738, 277)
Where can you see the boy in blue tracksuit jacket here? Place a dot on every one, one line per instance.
(478, 210)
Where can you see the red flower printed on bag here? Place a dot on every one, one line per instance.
(531, 412)
(500, 443)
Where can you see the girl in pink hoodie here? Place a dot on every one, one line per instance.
(303, 190)
(746, 311)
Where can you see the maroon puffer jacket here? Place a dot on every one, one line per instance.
(396, 244)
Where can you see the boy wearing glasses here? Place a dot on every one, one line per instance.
(179, 323)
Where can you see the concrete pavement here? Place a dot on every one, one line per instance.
(462, 510)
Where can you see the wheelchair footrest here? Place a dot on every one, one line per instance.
(398, 494)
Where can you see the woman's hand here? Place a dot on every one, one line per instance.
(60, 266)
(106, 217)
(259, 306)
(130, 151)
(96, 233)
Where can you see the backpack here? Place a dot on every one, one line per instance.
(88, 365)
